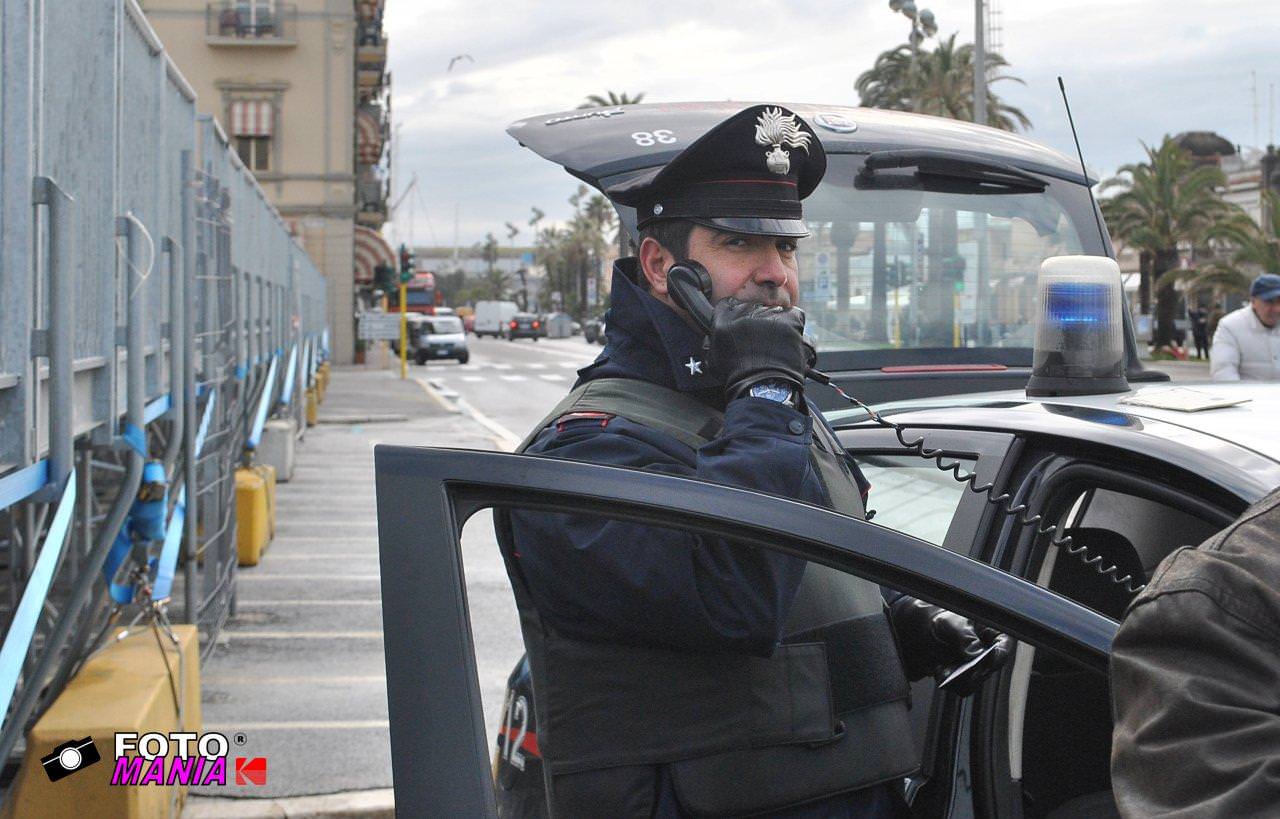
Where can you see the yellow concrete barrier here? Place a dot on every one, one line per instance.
(124, 688)
(313, 409)
(268, 474)
(252, 517)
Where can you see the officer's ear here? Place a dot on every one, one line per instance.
(654, 263)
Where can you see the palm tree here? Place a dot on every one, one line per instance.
(1163, 202)
(1250, 248)
(610, 99)
(938, 82)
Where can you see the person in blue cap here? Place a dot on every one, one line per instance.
(676, 674)
(1246, 344)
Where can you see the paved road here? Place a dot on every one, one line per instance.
(512, 383)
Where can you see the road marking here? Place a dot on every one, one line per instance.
(472, 378)
(536, 366)
(512, 377)
(372, 553)
(499, 366)
(569, 365)
(299, 725)
(301, 635)
(242, 603)
(504, 438)
(305, 679)
(242, 576)
(435, 395)
(551, 377)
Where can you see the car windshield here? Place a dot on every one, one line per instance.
(444, 324)
(894, 262)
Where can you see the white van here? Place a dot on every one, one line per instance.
(492, 317)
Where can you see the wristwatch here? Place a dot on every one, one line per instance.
(779, 391)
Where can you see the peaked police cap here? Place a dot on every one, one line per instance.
(746, 175)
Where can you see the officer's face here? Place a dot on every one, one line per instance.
(749, 268)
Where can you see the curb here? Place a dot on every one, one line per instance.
(374, 804)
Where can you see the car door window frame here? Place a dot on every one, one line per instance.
(425, 496)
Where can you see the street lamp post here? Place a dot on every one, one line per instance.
(922, 20)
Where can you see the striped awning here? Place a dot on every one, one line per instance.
(371, 251)
(251, 118)
(368, 138)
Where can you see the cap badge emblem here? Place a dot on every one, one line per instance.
(775, 129)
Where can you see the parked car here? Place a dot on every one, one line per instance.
(525, 325)
(493, 317)
(593, 331)
(440, 337)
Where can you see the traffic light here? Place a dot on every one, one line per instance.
(406, 263)
(384, 277)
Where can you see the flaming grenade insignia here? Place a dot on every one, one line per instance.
(776, 129)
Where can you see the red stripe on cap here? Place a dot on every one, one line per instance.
(747, 182)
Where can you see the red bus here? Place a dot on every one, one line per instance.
(420, 295)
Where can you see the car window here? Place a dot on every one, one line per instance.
(896, 265)
(911, 495)
(446, 324)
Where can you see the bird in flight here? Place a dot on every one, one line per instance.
(457, 58)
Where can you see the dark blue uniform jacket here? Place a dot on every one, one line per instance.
(632, 583)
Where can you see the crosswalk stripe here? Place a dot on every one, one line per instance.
(473, 378)
(512, 377)
(551, 377)
(537, 366)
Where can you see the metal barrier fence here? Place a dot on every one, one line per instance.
(153, 311)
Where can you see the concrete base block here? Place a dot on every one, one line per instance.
(126, 687)
(276, 446)
(252, 517)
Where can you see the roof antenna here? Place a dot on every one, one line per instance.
(1097, 217)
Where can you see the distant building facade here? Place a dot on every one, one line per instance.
(302, 92)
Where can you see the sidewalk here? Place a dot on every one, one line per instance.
(299, 670)
(1190, 370)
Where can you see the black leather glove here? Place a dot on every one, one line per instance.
(752, 343)
(935, 642)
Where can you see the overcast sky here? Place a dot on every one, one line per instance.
(1135, 70)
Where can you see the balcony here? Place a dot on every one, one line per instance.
(251, 23)
(371, 198)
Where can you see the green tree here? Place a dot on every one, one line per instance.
(938, 82)
(495, 283)
(610, 98)
(1248, 249)
(1164, 202)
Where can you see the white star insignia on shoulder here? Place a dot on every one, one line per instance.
(695, 367)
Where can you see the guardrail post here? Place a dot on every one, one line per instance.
(59, 332)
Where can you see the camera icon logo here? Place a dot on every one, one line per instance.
(70, 757)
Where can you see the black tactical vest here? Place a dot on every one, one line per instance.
(825, 714)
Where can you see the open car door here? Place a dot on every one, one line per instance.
(440, 756)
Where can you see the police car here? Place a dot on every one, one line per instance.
(1026, 469)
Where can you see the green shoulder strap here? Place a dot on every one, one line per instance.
(686, 419)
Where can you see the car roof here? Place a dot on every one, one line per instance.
(1235, 446)
(597, 143)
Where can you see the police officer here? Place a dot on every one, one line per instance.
(676, 674)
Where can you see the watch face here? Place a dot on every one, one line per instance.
(773, 391)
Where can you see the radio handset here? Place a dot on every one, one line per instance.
(689, 284)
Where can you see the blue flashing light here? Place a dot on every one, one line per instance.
(1077, 303)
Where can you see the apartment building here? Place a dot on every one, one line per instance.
(302, 92)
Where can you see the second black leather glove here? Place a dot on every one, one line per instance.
(934, 641)
(752, 343)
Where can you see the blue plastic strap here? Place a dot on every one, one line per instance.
(204, 422)
(264, 404)
(23, 484)
(286, 391)
(169, 554)
(157, 408)
(18, 641)
(240, 372)
(136, 439)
